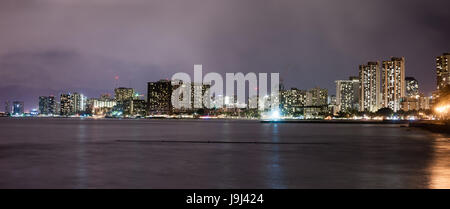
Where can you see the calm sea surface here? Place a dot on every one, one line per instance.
(81, 153)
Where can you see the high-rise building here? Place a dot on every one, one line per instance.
(199, 91)
(159, 97)
(79, 103)
(412, 87)
(66, 105)
(124, 98)
(393, 83)
(292, 101)
(317, 97)
(123, 94)
(443, 70)
(347, 94)
(18, 108)
(369, 78)
(47, 105)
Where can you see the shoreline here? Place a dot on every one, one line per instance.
(442, 127)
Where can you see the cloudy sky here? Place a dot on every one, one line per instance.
(53, 46)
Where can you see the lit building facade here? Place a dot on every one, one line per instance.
(47, 105)
(415, 103)
(18, 108)
(66, 105)
(79, 103)
(200, 94)
(103, 103)
(101, 106)
(317, 97)
(332, 105)
(347, 94)
(72, 104)
(159, 97)
(369, 78)
(412, 87)
(123, 94)
(124, 98)
(393, 83)
(443, 70)
(292, 101)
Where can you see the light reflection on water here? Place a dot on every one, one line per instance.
(72, 153)
(275, 169)
(440, 165)
(82, 172)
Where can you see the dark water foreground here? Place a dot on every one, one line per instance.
(76, 153)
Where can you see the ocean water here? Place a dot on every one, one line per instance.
(197, 154)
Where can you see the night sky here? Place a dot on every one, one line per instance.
(52, 46)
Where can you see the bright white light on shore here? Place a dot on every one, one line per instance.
(275, 114)
(411, 118)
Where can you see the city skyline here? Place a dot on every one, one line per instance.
(116, 84)
(383, 71)
(215, 97)
(42, 54)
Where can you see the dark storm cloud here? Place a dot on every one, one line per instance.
(54, 45)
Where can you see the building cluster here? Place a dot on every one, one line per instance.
(383, 85)
(159, 101)
(379, 85)
(125, 102)
(312, 103)
(16, 108)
